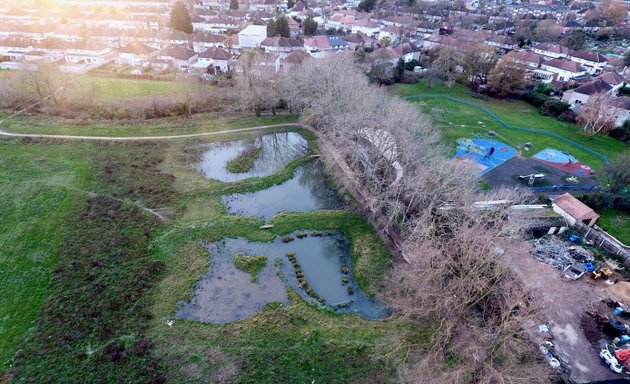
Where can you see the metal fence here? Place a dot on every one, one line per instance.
(510, 126)
(588, 188)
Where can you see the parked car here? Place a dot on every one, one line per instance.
(610, 360)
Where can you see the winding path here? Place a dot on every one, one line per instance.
(139, 138)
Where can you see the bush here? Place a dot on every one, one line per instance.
(553, 107)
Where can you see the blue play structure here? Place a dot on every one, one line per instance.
(483, 154)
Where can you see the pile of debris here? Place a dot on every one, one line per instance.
(554, 252)
(615, 355)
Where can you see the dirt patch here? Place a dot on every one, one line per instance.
(563, 307)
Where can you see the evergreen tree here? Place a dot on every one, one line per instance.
(271, 28)
(234, 4)
(282, 26)
(180, 18)
(310, 26)
(577, 40)
(367, 5)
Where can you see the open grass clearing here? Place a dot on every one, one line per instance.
(112, 88)
(460, 120)
(615, 222)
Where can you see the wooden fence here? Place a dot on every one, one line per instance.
(603, 239)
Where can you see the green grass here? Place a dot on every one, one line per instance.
(111, 88)
(113, 275)
(201, 123)
(250, 264)
(615, 222)
(245, 161)
(459, 120)
(41, 185)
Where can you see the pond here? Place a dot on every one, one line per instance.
(306, 191)
(225, 293)
(277, 149)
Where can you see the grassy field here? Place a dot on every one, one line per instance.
(110, 88)
(41, 185)
(109, 274)
(201, 123)
(459, 120)
(616, 223)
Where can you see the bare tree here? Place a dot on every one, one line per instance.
(446, 65)
(548, 30)
(457, 279)
(595, 116)
(477, 61)
(255, 81)
(49, 83)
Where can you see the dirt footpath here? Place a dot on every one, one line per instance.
(564, 304)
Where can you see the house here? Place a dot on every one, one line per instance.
(359, 40)
(551, 50)
(88, 52)
(365, 26)
(281, 45)
(214, 60)
(135, 54)
(563, 69)
(620, 110)
(384, 55)
(408, 52)
(15, 44)
(319, 46)
(530, 59)
(252, 36)
(581, 94)
(593, 62)
(179, 57)
(573, 210)
(394, 34)
(203, 41)
(164, 39)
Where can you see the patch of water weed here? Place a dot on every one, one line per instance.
(239, 160)
(250, 264)
(245, 160)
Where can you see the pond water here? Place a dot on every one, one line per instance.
(226, 294)
(277, 149)
(306, 191)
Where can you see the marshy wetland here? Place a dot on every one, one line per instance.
(185, 325)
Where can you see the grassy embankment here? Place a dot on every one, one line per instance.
(617, 223)
(457, 120)
(119, 272)
(245, 160)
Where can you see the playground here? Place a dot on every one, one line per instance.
(533, 173)
(564, 161)
(498, 163)
(483, 155)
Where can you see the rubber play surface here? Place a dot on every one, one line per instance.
(483, 155)
(564, 161)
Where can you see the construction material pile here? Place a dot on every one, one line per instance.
(554, 252)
